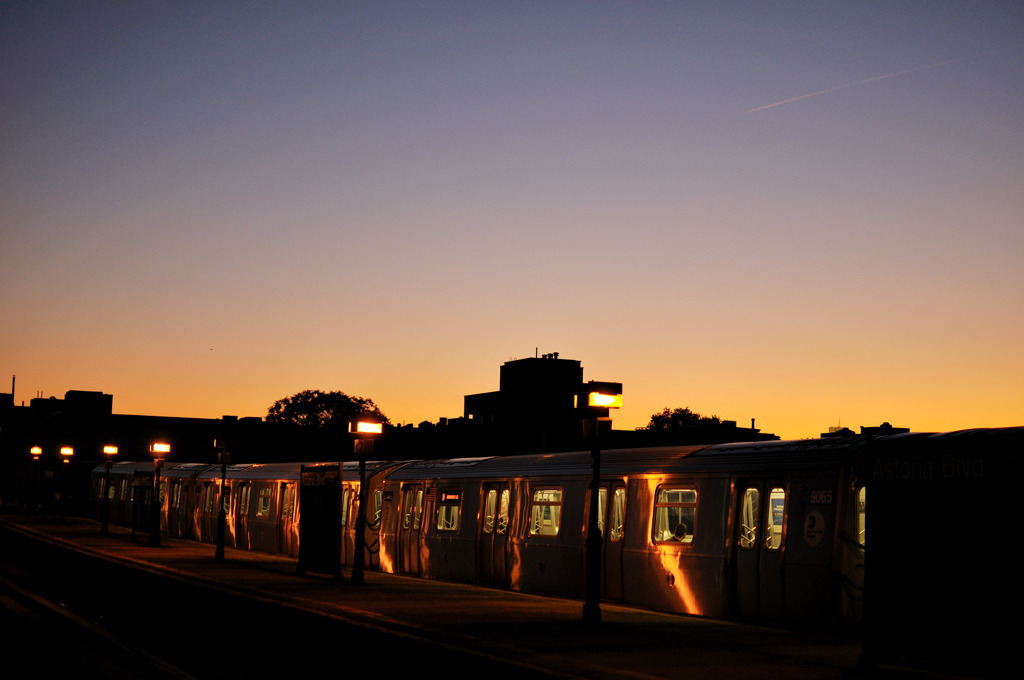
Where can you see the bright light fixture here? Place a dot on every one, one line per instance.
(604, 400)
(368, 428)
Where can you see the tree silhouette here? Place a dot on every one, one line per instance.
(678, 418)
(316, 410)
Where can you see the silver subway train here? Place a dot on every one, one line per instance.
(766, 531)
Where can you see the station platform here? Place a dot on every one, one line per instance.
(540, 636)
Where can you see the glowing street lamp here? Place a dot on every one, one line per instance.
(599, 397)
(66, 453)
(158, 449)
(365, 430)
(37, 452)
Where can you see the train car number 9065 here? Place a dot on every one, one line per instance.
(821, 496)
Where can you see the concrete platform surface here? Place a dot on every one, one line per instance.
(542, 636)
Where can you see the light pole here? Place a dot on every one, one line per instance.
(600, 397)
(157, 449)
(109, 451)
(37, 479)
(66, 454)
(364, 430)
(225, 459)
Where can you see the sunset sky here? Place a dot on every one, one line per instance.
(808, 213)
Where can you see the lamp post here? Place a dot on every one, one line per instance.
(224, 457)
(600, 397)
(66, 454)
(364, 430)
(37, 478)
(109, 451)
(157, 449)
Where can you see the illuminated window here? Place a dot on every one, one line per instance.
(377, 504)
(417, 510)
(618, 513)
(412, 508)
(503, 512)
(346, 498)
(749, 518)
(243, 500)
(546, 512)
(288, 504)
(490, 510)
(448, 507)
(263, 501)
(777, 516)
(616, 529)
(675, 513)
(861, 516)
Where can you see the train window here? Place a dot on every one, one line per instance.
(777, 514)
(288, 505)
(546, 512)
(861, 516)
(490, 510)
(749, 515)
(675, 512)
(346, 497)
(412, 507)
(417, 510)
(448, 506)
(225, 499)
(503, 512)
(378, 505)
(618, 515)
(243, 501)
(263, 501)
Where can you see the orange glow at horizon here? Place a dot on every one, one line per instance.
(846, 257)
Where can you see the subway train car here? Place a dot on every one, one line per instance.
(261, 501)
(128, 487)
(770, 531)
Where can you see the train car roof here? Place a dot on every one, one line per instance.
(769, 455)
(121, 467)
(622, 461)
(287, 471)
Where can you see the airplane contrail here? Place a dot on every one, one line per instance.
(859, 82)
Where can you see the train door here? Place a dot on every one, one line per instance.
(759, 548)
(493, 543)
(208, 512)
(611, 516)
(174, 522)
(287, 517)
(411, 523)
(347, 539)
(612, 522)
(242, 516)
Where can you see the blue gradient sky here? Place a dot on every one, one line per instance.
(205, 207)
